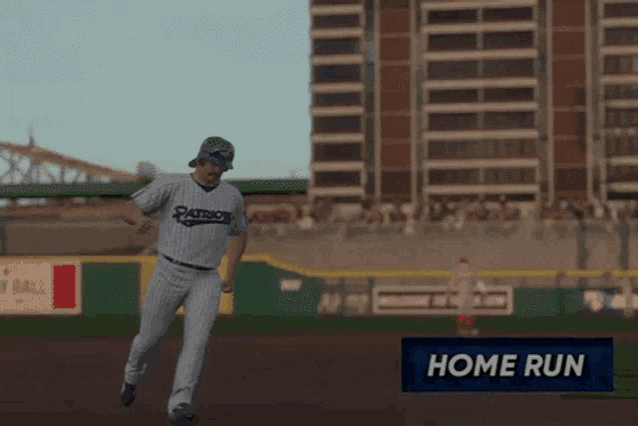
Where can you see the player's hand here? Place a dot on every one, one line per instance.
(145, 227)
(229, 282)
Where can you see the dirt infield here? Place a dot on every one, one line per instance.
(284, 380)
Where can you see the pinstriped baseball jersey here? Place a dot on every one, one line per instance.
(194, 221)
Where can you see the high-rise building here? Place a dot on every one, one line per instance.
(421, 98)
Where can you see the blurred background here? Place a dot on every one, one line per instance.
(506, 133)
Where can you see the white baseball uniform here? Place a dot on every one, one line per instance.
(195, 223)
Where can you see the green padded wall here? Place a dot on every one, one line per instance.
(110, 289)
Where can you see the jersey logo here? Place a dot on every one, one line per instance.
(191, 217)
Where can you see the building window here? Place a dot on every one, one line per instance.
(621, 118)
(337, 124)
(509, 120)
(448, 150)
(450, 42)
(458, 177)
(621, 65)
(452, 70)
(621, 36)
(452, 96)
(332, 179)
(622, 174)
(453, 121)
(509, 68)
(335, 21)
(343, 46)
(336, 99)
(337, 152)
(336, 73)
(622, 91)
(438, 150)
(509, 94)
(509, 176)
(452, 16)
(500, 40)
(622, 146)
(621, 10)
(508, 14)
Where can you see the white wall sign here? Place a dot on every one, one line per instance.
(33, 287)
(433, 300)
(290, 285)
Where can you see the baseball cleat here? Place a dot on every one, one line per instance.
(128, 394)
(183, 415)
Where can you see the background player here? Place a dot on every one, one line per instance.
(197, 214)
(464, 282)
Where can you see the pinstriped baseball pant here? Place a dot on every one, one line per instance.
(170, 286)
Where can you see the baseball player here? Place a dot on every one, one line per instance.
(198, 213)
(464, 282)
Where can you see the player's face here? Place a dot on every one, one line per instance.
(209, 173)
(464, 267)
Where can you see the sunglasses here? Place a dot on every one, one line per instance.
(215, 159)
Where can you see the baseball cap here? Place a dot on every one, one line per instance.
(217, 149)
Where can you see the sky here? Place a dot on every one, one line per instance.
(118, 82)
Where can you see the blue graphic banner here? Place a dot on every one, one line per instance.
(507, 365)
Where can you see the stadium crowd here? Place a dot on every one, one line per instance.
(446, 214)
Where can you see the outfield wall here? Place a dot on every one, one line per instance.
(114, 287)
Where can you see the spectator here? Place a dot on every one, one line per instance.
(334, 216)
(437, 212)
(625, 212)
(396, 215)
(372, 216)
(421, 210)
(409, 229)
(582, 207)
(449, 213)
(599, 209)
(548, 214)
(502, 201)
(498, 215)
(460, 215)
(305, 222)
(314, 211)
(483, 212)
(473, 209)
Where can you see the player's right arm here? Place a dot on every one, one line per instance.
(133, 215)
(451, 285)
(146, 201)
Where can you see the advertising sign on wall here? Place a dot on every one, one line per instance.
(333, 302)
(33, 287)
(434, 300)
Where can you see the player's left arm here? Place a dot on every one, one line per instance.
(237, 244)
